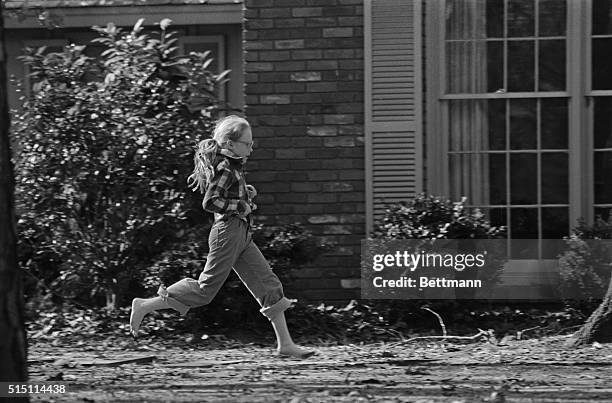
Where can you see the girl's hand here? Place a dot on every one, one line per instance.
(251, 191)
(248, 210)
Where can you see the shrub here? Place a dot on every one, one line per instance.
(288, 247)
(431, 217)
(585, 266)
(104, 148)
(184, 258)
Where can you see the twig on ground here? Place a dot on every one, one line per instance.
(439, 320)
(476, 337)
(353, 345)
(568, 328)
(396, 333)
(520, 333)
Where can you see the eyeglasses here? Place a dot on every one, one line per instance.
(246, 143)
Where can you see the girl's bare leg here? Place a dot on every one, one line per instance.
(285, 344)
(142, 306)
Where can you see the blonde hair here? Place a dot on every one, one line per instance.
(228, 128)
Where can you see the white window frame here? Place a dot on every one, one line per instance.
(578, 63)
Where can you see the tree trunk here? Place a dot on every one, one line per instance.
(599, 325)
(13, 362)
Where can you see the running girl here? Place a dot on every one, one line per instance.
(218, 174)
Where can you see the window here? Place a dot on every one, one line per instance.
(599, 94)
(516, 136)
(213, 43)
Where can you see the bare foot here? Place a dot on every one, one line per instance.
(136, 316)
(295, 351)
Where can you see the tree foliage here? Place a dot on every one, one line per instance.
(585, 267)
(431, 217)
(105, 147)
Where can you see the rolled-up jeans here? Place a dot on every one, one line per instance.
(231, 246)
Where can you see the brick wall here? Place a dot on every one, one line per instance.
(304, 99)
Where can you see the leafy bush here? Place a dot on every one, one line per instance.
(289, 247)
(357, 322)
(184, 258)
(431, 217)
(104, 147)
(585, 266)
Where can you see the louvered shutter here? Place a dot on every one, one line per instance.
(393, 96)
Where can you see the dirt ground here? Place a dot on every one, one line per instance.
(535, 370)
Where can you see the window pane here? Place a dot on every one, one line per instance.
(603, 212)
(467, 73)
(523, 127)
(459, 19)
(477, 125)
(555, 188)
(495, 18)
(460, 67)
(602, 63)
(555, 225)
(555, 222)
(495, 65)
(474, 19)
(497, 178)
(468, 125)
(469, 177)
(473, 172)
(602, 13)
(521, 66)
(554, 123)
(497, 124)
(551, 62)
(523, 179)
(524, 225)
(520, 18)
(603, 122)
(603, 178)
(552, 17)
(497, 216)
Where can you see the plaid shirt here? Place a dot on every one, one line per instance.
(226, 194)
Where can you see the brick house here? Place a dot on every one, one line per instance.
(358, 103)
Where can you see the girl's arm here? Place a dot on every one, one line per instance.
(219, 198)
(251, 191)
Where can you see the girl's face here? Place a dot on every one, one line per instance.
(244, 145)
